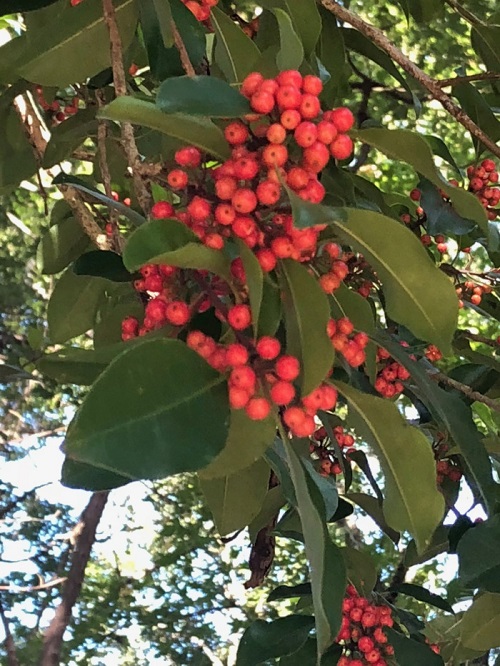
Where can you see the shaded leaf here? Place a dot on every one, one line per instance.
(202, 96)
(479, 555)
(102, 263)
(422, 594)
(305, 18)
(480, 626)
(153, 426)
(235, 499)
(86, 477)
(306, 316)
(441, 216)
(291, 53)
(60, 245)
(290, 591)
(231, 42)
(409, 652)
(413, 502)
(374, 509)
(269, 640)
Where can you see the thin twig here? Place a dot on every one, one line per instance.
(378, 38)
(51, 652)
(120, 83)
(458, 80)
(84, 217)
(181, 47)
(476, 337)
(34, 588)
(465, 13)
(466, 390)
(10, 647)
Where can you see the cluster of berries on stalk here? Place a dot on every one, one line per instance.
(361, 634)
(58, 109)
(447, 467)
(321, 449)
(286, 142)
(483, 179)
(390, 377)
(472, 291)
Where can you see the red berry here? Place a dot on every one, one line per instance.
(262, 102)
(177, 179)
(258, 409)
(282, 393)
(312, 84)
(287, 368)
(288, 97)
(251, 83)
(342, 118)
(162, 210)
(341, 147)
(268, 347)
(244, 200)
(238, 397)
(239, 317)
(276, 133)
(190, 157)
(177, 313)
(305, 134)
(243, 377)
(236, 354)
(236, 133)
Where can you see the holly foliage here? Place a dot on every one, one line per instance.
(260, 248)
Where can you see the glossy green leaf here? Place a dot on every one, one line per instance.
(235, 499)
(269, 640)
(86, 477)
(422, 594)
(440, 149)
(361, 570)
(374, 508)
(73, 304)
(54, 57)
(306, 214)
(171, 242)
(164, 16)
(306, 655)
(441, 216)
(60, 245)
(201, 96)
(291, 53)
(424, 11)
(413, 502)
(479, 555)
(270, 309)
(102, 263)
(480, 625)
(332, 55)
(290, 591)
(273, 503)
(108, 327)
(409, 652)
(476, 106)
(200, 132)
(327, 568)
(485, 40)
(153, 426)
(418, 295)
(231, 42)
(69, 135)
(412, 148)
(438, 544)
(454, 415)
(306, 316)
(18, 159)
(305, 19)
(254, 279)
(246, 442)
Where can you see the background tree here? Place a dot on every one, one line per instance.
(87, 182)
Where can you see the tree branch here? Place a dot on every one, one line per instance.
(181, 47)
(127, 131)
(10, 647)
(378, 38)
(84, 217)
(458, 80)
(51, 652)
(466, 390)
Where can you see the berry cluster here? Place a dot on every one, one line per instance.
(389, 379)
(362, 632)
(58, 109)
(448, 468)
(288, 141)
(321, 449)
(482, 181)
(261, 376)
(200, 8)
(351, 345)
(471, 291)
(433, 353)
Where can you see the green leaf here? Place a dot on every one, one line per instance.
(153, 426)
(375, 510)
(305, 18)
(69, 135)
(361, 570)
(485, 40)
(439, 544)
(454, 415)
(418, 295)
(17, 158)
(290, 591)
(327, 569)
(201, 96)
(424, 11)
(235, 499)
(231, 42)
(10, 373)
(171, 242)
(199, 132)
(306, 655)
(254, 281)
(422, 594)
(412, 148)
(54, 57)
(270, 309)
(291, 53)
(268, 640)
(102, 263)
(413, 502)
(441, 216)
(306, 214)
(480, 625)
(409, 652)
(164, 16)
(332, 55)
(18, 6)
(247, 441)
(60, 245)
(306, 316)
(273, 502)
(86, 477)
(73, 304)
(475, 105)
(439, 148)
(479, 556)
(108, 327)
